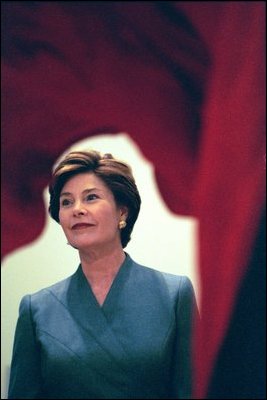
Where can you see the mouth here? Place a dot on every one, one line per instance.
(81, 226)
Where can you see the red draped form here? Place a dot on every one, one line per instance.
(186, 80)
(230, 187)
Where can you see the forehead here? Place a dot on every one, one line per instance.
(82, 181)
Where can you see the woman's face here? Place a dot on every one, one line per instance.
(88, 213)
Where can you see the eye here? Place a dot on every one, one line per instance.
(91, 196)
(65, 202)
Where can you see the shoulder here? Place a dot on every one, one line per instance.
(45, 295)
(170, 279)
(176, 285)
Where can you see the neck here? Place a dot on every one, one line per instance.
(101, 265)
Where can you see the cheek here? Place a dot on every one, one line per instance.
(62, 219)
(110, 218)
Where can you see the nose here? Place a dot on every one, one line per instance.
(79, 210)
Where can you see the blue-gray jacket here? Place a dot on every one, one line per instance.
(136, 345)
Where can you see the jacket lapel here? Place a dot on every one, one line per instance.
(84, 309)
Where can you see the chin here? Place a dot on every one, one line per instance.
(80, 245)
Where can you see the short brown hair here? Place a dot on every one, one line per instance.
(116, 174)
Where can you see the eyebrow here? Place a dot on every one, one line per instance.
(83, 192)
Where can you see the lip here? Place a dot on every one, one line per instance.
(81, 225)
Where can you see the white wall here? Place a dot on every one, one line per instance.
(160, 240)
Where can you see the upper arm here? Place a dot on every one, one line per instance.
(187, 309)
(186, 312)
(25, 375)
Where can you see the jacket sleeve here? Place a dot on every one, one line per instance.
(186, 315)
(25, 375)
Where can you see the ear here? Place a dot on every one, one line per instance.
(124, 213)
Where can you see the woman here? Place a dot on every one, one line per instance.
(114, 329)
